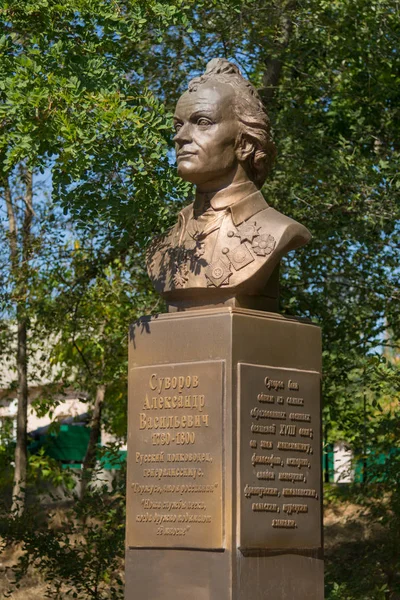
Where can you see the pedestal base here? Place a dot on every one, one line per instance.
(224, 458)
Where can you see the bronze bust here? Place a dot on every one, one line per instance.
(227, 245)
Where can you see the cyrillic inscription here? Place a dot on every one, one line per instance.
(289, 523)
(283, 453)
(264, 507)
(175, 456)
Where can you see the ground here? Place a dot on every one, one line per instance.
(348, 542)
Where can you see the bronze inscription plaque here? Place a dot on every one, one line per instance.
(279, 458)
(175, 456)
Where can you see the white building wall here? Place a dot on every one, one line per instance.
(342, 463)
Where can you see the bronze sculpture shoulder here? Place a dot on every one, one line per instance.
(235, 251)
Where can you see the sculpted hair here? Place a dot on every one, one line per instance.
(253, 120)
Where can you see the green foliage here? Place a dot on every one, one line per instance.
(7, 449)
(71, 101)
(77, 550)
(344, 592)
(376, 440)
(43, 469)
(90, 348)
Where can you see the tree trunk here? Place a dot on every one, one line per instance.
(274, 64)
(89, 461)
(20, 270)
(18, 503)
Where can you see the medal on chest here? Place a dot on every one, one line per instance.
(233, 258)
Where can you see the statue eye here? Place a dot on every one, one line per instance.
(177, 127)
(204, 122)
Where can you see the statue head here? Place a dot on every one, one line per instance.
(221, 123)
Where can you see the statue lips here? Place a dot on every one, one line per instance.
(184, 154)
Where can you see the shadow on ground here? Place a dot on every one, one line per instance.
(362, 560)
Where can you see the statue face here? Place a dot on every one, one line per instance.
(206, 132)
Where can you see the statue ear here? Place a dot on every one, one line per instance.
(245, 149)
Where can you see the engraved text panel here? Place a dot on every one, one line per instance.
(279, 458)
(175, 456)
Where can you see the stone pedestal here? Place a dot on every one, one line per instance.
(224, 458)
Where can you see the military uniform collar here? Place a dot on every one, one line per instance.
(225, 197)
(249, 206)
(242, 199)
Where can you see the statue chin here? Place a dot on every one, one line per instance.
(187, 174)
(190, 173)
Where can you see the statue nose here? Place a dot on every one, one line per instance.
(183, 136)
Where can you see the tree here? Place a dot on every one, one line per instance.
(91, 349)
(70, 104)
(29, 235)
(19, 272)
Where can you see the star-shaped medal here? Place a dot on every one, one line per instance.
(248, 231)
